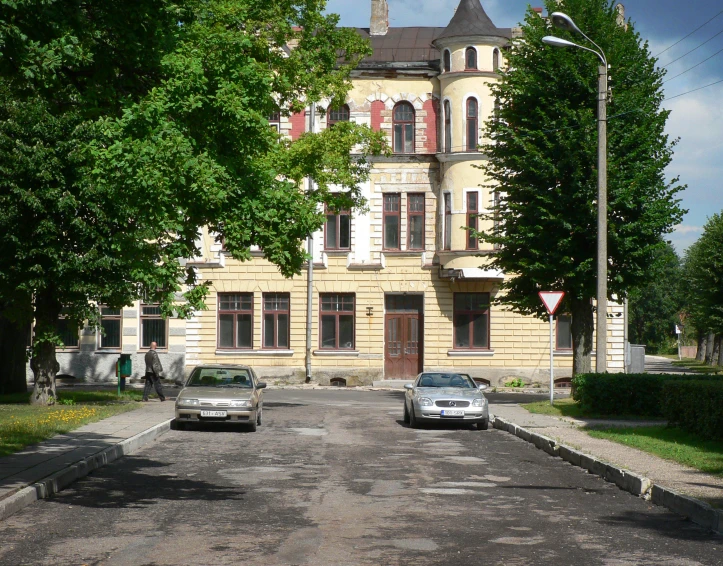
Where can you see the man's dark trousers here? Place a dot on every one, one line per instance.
(153, 382)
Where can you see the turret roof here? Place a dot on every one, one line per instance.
(471, 19)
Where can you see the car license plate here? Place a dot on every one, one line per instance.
(452, 413)
(213, 414)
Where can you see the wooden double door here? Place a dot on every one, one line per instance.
(403, 335)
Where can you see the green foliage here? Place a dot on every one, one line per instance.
(516, 382)
(543, 161)
(654, 309)
(703, 279)
(697, 406)
(637, 394)
(125, 131)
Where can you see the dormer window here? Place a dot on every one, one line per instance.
(447, 63)
(470, 59)
(340, 114)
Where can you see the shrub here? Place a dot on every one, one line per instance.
(637, 394)
(695, 405)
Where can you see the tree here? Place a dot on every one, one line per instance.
(542, 160)
(703, 286)
(123, 132)
(654, 309)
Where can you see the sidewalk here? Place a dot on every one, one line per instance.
(50, 466)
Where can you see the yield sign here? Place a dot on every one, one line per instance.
(551, 299)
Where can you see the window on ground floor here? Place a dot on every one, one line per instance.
(110, 323)
(154, 328)
(563, 332)
(69, 333)
(276, 321)
(337, 321)
(472, 321)
(235, 320)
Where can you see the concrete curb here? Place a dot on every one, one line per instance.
(695, 510)
(60, 480)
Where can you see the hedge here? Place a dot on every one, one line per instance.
(696, 406)
(637, 394)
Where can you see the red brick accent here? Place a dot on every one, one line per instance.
(432, 109)
(298, 125)
(377, 107)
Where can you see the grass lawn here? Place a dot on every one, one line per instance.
(694, 365)
(23, 425)
(670, 444)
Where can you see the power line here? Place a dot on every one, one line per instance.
(694, 90)
(694, 66)
(691, 33)
(694, 49)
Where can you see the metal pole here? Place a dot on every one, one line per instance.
(602, 222)
(552, 378)
(310, 269)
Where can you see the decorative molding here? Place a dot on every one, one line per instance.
(241, 353)
(337, 353)
(470, 353)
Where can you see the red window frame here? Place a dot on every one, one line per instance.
(392, 208)
(403, 122)
(275, 305)
(238, 304)
(415, 209)
(472, 218)
(470, 59)
(472, 124)
(474, 308)
(338, 219)
(335, 306)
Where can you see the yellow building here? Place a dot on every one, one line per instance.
(402, 288)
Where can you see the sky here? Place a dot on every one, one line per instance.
(696, 118)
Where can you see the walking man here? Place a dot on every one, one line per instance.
(154, 372)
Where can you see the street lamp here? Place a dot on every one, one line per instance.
(563, 21)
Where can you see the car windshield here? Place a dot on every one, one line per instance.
(445, 380)
(220, 377)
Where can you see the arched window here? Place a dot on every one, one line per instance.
(496, 60)
(497, 108)
(470, 58)
(447, 61)
(447, 127)
(403, 123)
(472, 115)
(340, 114)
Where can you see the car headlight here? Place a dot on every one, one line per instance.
(425, 402)
(189, 402)
(478, 403)
(240, 403)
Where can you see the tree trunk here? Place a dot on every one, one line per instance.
(717, 349)
(13, 338)
(709, 349)
(582, 332)
(702, 343)
(43, 363)
(720, 353)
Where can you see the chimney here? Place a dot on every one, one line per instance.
(380, 18)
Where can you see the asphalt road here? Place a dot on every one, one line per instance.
(335, 478)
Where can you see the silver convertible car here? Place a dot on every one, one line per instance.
(445, 397)
(220, 394)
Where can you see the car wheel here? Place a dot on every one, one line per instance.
(406, 413)
(258, 417)
(252, 426)
(177, 425)
(413, 421)
(483, 425)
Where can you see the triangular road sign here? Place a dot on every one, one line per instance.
(551, 299)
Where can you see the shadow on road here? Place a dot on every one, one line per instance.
(667, 524)
(130, 487)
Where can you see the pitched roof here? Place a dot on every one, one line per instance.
(403, 45)
(471, 19)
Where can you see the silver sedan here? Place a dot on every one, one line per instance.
(220, 394)
(445, 397)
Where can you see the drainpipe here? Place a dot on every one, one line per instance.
(310, 269)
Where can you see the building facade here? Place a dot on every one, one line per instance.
(397, 290)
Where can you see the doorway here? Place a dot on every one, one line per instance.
(403, 335)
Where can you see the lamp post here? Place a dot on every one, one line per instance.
(563, 21)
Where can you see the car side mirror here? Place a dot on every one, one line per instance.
(260, 385)
(408, 386)
(482, 386)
